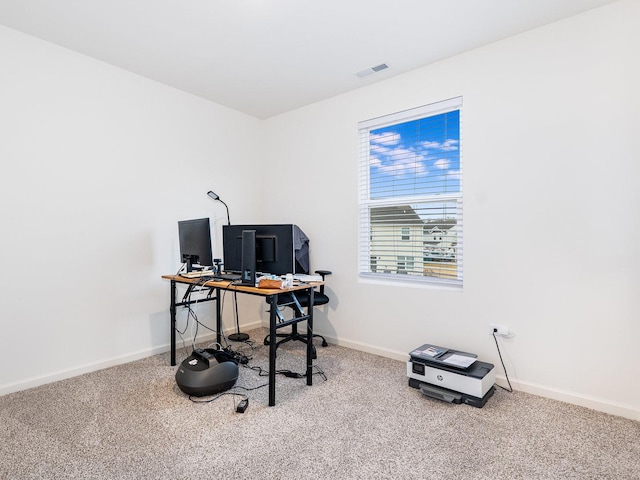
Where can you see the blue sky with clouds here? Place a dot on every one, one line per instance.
(419, 157)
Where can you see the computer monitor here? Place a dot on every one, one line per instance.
(280, 248)
(195, 243)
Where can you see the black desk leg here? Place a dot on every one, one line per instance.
(310, 339)
(272, 350)
(218, 319)
(172, 309)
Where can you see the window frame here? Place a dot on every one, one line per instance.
(366, 259)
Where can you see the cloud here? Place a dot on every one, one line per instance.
(400, 162)
(428, 144)
(441, 163)
(450, 144)
(453, 174)
(378, 149)
(384, 138)
(446, 146)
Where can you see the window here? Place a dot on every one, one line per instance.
(405, 264)
(410, 191)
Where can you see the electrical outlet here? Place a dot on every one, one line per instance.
(501, 330)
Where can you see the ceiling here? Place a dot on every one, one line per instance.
(266, 57)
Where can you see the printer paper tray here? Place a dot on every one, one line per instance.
(450, 396)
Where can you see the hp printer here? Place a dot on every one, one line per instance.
(451, 375)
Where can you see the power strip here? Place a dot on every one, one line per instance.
(243, 405)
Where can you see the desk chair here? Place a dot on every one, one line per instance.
(285, 300)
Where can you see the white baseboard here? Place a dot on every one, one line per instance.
(93, 367)
(601, 405)
(607, 406)
(363, 347)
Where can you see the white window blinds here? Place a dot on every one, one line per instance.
(410, 195)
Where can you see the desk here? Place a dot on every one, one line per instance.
(276, 320)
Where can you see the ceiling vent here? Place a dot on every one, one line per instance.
(371, 70)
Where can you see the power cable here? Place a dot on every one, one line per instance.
(510, 389)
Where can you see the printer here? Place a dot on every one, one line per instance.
(451, 375)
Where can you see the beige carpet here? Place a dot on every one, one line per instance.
(363, 422)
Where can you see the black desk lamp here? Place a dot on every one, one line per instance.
(235, 337)
(216, 197)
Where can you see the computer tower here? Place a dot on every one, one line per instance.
(248, 271)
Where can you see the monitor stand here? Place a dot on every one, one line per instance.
(248, 277)
(248, 270)
(238, 337)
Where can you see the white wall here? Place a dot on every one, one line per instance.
(98, 165)
(551, 148)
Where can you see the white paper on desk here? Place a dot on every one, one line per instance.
(301, 277)
(461, 361)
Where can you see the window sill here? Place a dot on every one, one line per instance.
(410, 282)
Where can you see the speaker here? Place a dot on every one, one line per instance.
(248, 271)
(207, 372)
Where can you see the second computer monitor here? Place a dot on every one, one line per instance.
(280, 248)
(195, 243)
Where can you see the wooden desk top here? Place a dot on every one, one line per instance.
(228, 285)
